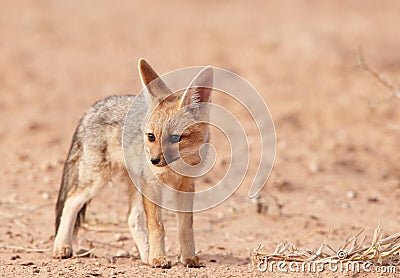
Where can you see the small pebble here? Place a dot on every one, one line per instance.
(15, 257)
(26, 263)
(122, 253)
(351, 194)
(45, 196)
(47, 180)
(120, 237)
(48, 166)
(313, 167)
(372, 199)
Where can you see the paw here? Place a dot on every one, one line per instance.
(193, 262)
(161, 262)
(64, 252)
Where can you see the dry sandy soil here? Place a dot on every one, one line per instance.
(338, 154)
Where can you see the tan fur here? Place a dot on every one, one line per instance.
(96, 152)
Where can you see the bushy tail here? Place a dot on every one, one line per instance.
(70, 180)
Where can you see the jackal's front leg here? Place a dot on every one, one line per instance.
(187, 246)
(186, 240)
(156, 233)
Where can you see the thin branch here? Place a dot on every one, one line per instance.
(87, 227)
(85, 254)
(102, 243)
(364, 65)
(27, 209)
(34, 250)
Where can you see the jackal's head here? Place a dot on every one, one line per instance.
(177, 126)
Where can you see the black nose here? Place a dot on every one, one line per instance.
(155, 160)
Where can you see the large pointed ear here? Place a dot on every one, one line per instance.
(199, 89)
(156, 88)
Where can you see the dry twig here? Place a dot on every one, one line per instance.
(33, 250)
(364, 65)
(88, 227)
(85, 254)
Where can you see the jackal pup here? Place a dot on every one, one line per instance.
(97, 151)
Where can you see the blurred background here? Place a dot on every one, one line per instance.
(337, 164)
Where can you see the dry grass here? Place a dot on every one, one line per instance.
(383, 251)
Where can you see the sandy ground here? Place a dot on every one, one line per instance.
(337, 163)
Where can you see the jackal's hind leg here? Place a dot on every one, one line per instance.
(64, 236)
(137, 225)
(88, 186)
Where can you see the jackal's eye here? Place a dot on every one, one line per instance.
(151, 137)
(174, 138)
